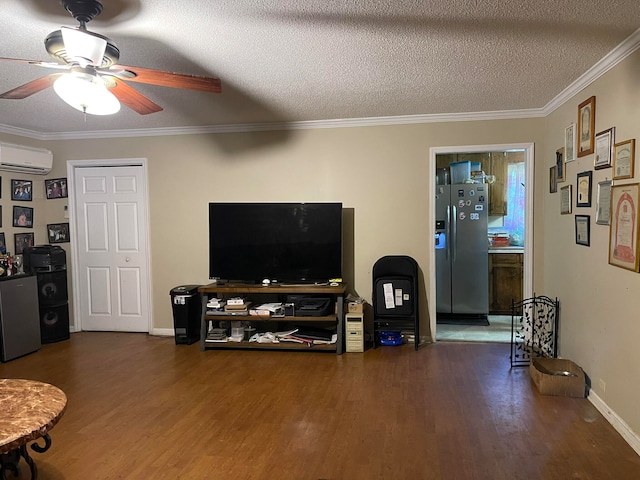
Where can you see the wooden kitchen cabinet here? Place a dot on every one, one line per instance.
(505, 281)
(498, 191)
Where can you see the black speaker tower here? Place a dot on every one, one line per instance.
(49, 264)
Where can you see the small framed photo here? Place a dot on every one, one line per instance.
(560, 175)
(553, 182)
(604, 148)
(583, 229)
(3, 243)
(21, 190)
(583, 189)
(56, 188)
(603, 203)
(570, 143)
(565, 200)
(58, 232)
(624, 159)
(623, 229)
(22, 241)
(22, 217)
(586, 126)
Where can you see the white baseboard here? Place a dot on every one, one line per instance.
(620, 426)
(162, 332)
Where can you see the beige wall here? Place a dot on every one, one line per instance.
(380, 174)
(599, 320)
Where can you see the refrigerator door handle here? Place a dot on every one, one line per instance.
(453, 222)
(447, 250)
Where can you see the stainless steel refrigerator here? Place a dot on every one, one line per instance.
(462, 260)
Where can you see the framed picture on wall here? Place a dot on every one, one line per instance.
(22, 217)
(3, 243)
(583, 189)
(586, 126)
(604, 148)
(623, 229)
(21, 190)
(623, 159)
(22, 241)
(570, 143)
(583, 229)
(553, 183)
(560, 175)
(565, 200)
(55, 188)
(603, 202)
(58, 232)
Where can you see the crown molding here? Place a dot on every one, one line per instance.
(263, 127)
(606, 63)
(618, 54)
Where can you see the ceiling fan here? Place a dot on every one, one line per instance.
(93, 82)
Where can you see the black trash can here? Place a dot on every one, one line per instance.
(187, 308)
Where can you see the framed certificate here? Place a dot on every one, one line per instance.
(583, 229)
(583, 189)
(623, 229)
(603, 203)
(623, 159)
(604, 148)
(586, 126)
(570, 143)
(565, 200)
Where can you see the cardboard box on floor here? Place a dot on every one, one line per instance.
(557, 376)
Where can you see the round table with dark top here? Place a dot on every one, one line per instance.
(28, 410)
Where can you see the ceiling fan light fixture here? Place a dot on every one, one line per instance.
(87, 93)
(87, 48)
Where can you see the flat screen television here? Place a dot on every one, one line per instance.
(281, 242)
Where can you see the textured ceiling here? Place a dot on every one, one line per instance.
(312, 60)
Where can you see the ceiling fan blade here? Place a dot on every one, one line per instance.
(37, 63)
(28, 89)
(169, 79)
(133, 99)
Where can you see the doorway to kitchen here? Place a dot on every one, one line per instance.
(505, 173)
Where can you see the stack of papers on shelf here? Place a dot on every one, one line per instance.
(216, 335)
(268, 309)
(215, 304)
(308, 336)
(235, 301)
(237, 308)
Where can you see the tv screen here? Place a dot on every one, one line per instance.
(281, 242)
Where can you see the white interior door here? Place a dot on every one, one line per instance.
(110, 220)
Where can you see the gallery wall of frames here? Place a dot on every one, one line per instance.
(616, 197)
(17, 211)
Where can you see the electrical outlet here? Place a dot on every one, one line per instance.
(602, 385)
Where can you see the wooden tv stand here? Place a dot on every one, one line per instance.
(274, 293)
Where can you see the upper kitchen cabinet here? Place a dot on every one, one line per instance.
(498, 189)
(493, 164)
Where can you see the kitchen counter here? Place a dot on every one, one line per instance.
(509, 249)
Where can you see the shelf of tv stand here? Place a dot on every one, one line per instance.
(229, 289)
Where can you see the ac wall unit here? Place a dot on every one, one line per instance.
(18, 158)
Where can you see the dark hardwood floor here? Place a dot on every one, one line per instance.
(140, 407)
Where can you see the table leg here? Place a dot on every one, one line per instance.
(10, 462)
